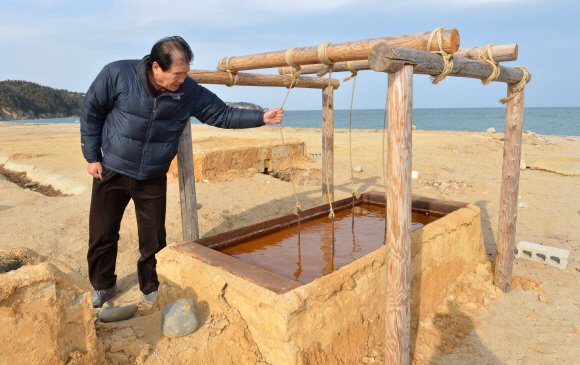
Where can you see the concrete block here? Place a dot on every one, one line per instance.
(315, 154)
(552, 256)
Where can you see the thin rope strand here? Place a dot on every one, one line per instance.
(519, 86)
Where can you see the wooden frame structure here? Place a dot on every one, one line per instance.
(400, 57)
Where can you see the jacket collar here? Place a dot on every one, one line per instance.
(142, 69)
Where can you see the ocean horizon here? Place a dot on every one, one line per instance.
(563, 121)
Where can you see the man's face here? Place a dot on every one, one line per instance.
(172, 78)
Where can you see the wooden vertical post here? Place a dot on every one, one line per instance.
(508, 210)
(398, 296)
(327, 144)
(187, 185)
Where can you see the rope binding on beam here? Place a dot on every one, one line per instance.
(323, 57)
(485, 55)
(354, 72)
(447, 57)
(233, 74)
(519, 86)
(297, 70)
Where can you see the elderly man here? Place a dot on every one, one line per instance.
(131, 120)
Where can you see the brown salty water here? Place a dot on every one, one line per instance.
(279, 251)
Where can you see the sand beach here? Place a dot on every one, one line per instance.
(540, 325)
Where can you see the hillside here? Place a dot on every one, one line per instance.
(27, 100)
(244, 105)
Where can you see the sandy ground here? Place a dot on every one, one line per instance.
(518, 328)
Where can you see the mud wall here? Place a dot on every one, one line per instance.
(307, 323)
(222, 164)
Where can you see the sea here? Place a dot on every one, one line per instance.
(547, 121)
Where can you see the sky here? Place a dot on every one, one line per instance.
(64, 44)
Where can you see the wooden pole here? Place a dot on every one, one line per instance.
(508, 213)
(340, 52)
(186, 176)
(246, 79)
(398, 308)
(327, 145)
(337, 67)
(502, 53)
(388, 58)
(508, 52)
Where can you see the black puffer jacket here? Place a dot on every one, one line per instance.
(135, 132)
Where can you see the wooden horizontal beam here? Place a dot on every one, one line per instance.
(246, 79)
(508, 52)
(388, 58)
(502, 53)
(340, 52)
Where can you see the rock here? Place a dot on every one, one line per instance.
(201, 234)
(357, 169)
(523, 205)
(199, 206)
(490, 130)
(30, 184)
(225, 211)
(415, 174)
(523, 165)
(179, 318)
(536, 311)
(532, 318)
(414, 128)
(114, 314)
(86, 244)
(46, 314)
(235, 207)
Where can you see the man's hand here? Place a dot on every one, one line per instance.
(274, 116)
(95, 169)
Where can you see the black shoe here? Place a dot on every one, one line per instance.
(101, 296)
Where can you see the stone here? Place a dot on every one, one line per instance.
(46, 316)
(115, 314)
(414, 128)
(490, 130)
(235, 207)
(199, 206)
(179, 318)
(225, 211)
(201, 234)
(523, 205)
(532, 318)
(415, 174)
(522, 165)
(30, 184)
(357, 169)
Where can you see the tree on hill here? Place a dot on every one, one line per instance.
(27, 100)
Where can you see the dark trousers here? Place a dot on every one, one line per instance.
(108, 202)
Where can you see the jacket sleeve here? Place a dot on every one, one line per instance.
(97, 103)
(211, 110)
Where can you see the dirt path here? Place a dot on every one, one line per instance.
(518, 328)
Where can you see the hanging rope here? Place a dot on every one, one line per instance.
(354, 72)
(519, 86)
(350, 65)
(447, 57)
(331, 215)
(322, 57)
(485, 55)
(292, 84)
(233, 74)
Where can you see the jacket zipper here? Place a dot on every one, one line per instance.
(147, 137)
